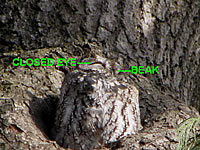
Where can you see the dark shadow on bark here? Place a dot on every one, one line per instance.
(43, 113)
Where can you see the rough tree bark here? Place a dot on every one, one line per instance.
(156, 33)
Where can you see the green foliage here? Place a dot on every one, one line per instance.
(189, 139)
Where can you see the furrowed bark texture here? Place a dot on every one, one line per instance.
(149, 33)
(29, 96)
(161, 33)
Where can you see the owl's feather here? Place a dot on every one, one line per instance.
(95, 107)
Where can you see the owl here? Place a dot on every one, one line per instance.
(95, 107)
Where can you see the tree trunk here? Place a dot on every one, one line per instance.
(148, 33)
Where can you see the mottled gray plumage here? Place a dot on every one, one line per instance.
(95, 107)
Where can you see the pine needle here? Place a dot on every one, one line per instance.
(187, 134)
